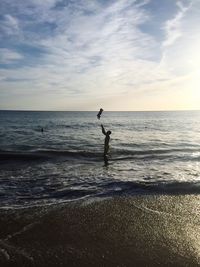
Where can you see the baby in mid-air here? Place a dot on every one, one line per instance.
(99, 114)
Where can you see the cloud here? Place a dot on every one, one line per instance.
(89, 40)
(9, 25)
(180, 52)
(173, 27)
(75, 53)
(9, 56)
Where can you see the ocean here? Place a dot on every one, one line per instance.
(150, 153)
(61, 205)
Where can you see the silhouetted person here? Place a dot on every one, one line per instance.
(99, 114)
(106, 144)
(42, 130)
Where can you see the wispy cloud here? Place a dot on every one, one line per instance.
(8, 56)
(89, 41)
(9, 25)
(173, 27)
(79, 53)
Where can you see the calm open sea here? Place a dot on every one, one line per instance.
(150, 153)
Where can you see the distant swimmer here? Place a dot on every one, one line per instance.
(106, 144)
(99, 114)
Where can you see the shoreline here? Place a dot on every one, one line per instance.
(143, 230)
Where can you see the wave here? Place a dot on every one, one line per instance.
(115, 155)
(45, 155)
(111, 189)
(167, 187)
(157, 151)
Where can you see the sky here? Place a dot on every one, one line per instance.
(88, 54)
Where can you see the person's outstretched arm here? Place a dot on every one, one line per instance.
(103, 130)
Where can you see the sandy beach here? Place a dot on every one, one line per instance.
(135, 231)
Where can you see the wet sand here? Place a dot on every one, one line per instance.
(134, 231)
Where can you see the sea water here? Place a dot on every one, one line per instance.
(150, 153)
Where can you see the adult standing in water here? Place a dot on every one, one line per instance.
(106, 144)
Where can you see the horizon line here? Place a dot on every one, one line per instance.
(37, 110)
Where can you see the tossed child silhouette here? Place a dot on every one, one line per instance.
(99, 114)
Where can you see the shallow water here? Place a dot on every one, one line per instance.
(150, 152)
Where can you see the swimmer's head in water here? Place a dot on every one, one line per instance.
(109, 132)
